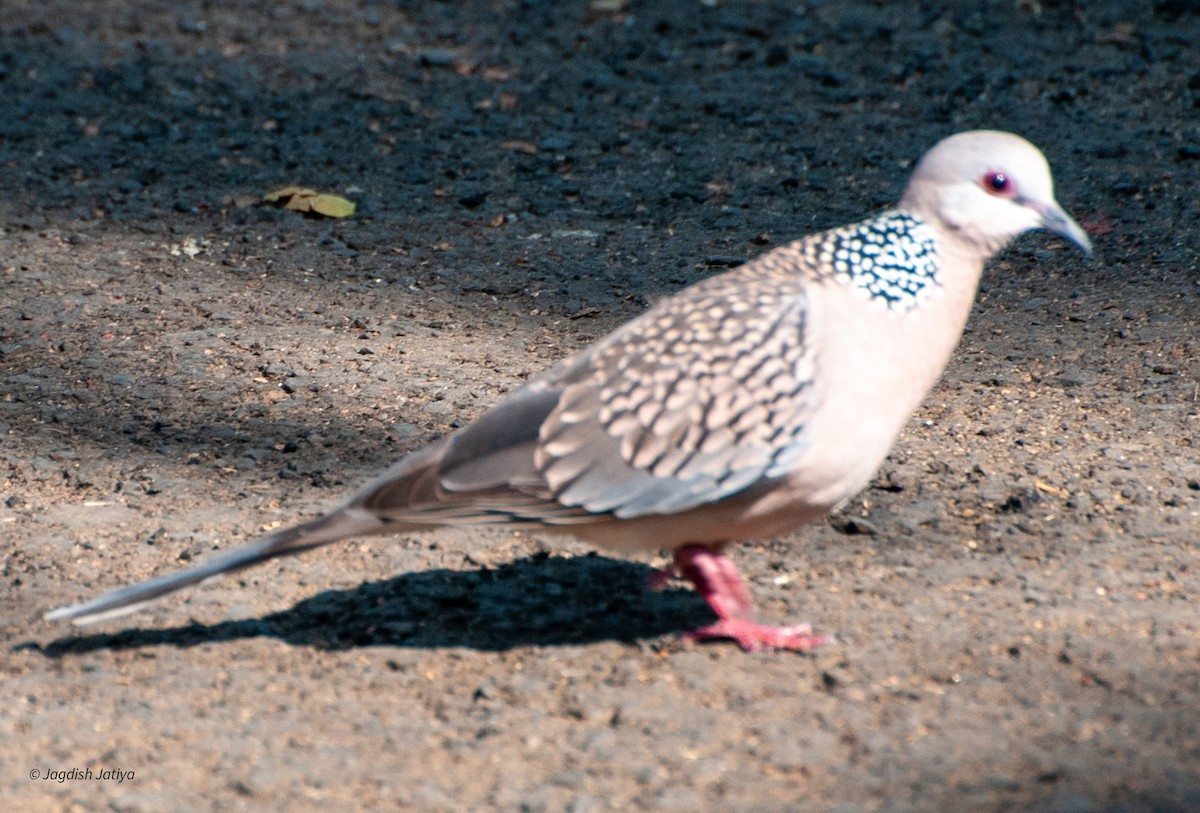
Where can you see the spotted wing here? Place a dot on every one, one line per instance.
(697, 400)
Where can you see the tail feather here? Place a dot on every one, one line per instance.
(340, 524)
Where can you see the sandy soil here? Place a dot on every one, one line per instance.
(179, 369)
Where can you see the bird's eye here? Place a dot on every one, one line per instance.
(999, 184)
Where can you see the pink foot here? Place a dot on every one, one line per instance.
(753, 637)
(717, 579)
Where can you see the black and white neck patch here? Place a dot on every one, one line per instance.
(891, 258)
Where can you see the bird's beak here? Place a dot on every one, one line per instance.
(1056, 220)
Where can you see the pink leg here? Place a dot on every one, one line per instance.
(717, 579)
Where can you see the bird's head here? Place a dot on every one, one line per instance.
(986, 187)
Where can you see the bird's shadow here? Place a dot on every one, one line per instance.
(539, 600)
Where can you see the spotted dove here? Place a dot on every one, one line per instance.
(738, 409)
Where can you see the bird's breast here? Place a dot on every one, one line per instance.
(873, 367)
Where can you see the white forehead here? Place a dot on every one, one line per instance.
(966, 157)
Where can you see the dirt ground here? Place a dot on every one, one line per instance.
(1018, 590)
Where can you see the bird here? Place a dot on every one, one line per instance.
(738, 409)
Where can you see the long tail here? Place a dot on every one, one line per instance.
(345, 522)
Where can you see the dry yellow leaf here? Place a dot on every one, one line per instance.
(332, 206)
(310, 201)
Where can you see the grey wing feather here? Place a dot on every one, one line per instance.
(498, 448)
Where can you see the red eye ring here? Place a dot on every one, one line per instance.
(997, 182)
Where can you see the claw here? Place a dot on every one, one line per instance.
(760, 637)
